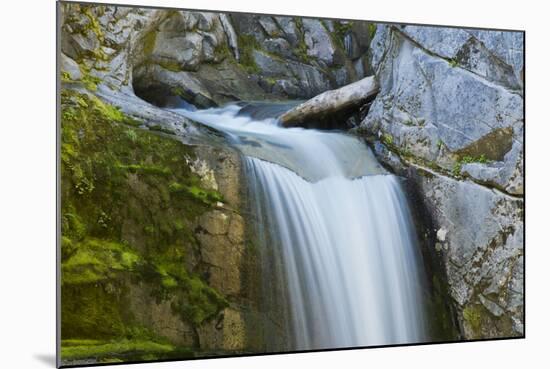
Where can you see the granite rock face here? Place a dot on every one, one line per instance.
(440, 111)
(486, 271)
(318, 42)
(449, 116)
(209, 59)
(299, 58)
(221, 236)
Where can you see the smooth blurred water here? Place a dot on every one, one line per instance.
(335, 233)
(310, 153)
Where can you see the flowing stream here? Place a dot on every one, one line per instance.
(334, 230)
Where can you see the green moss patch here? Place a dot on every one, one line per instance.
(201, 302)
(467, 160)
(70, 351)
(301, 52)
(169, 64)
(372, 30)
(149, 41)
(145, 169)
(387, 139)
(453, 63)
(159, 128)
(301, 48)
(342, 29)
(472, 317)
(208, 197)
(247, 45)
(93, 24)
(129, 203)
(95, 260)
(121, 350)
(493, 146)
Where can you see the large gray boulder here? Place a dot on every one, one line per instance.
(289, 77)
(318, 41)
(185, 40)
(194, 56)
(480, 239)
(297, 47)
(449, 116)
(495, 62)
(440, 112)
(289, 28)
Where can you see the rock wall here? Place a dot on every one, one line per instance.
(449, 116)
(209, 58)
(153, 253)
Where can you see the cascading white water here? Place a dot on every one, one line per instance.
(349, 265)
(349, 257)
(348, 46)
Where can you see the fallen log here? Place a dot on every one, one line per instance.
(331, 105)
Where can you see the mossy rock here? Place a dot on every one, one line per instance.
(472, 316)
(129, 203)
(125, 350)
(247, 44)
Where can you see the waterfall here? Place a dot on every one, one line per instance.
(335, 234)
(348, 45)
(349, 257)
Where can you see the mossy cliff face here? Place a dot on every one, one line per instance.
(147, 226)
(155, 262)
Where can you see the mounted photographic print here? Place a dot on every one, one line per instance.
(242, 184)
